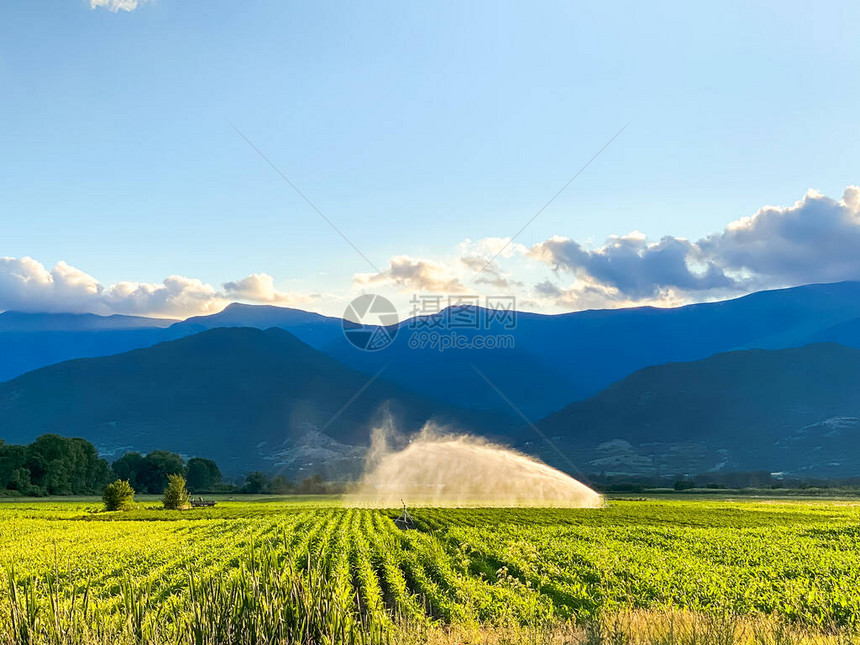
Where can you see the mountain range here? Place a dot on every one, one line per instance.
(554, 360)
(794, 410)
(244, 397)
(713, 386)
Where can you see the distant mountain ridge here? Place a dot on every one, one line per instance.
(314, 329)
(555, 359)
(30, 341)
(244, 397)
(567, 357)
(18, 321)
(795, 410)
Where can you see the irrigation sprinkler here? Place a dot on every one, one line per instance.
(405, 521)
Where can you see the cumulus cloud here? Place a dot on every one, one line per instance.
(475, 265)
(586, 293)
(175, 296)
(413, 274)
(815, 240)
(116, 5)
(260, 287)
(26, 285)
(482, 258)
(633, 265)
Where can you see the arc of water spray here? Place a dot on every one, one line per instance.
(528, 421)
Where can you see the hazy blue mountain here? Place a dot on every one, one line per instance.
(17, 321)
(243, 397)
(794, 410)
(314, 329)
(29, 341)
(555, 359)
(534, 383)
(845, 333)
(562, 358)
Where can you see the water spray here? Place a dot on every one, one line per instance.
(438, 468)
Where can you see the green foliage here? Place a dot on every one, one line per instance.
(157, 468)
(53, 465)
(118, 496)
(255, 482)
(203, 474)
(149, 474)
(288, 572)
(280, 485)
(176, 496)
(313, 485)
(128, 466)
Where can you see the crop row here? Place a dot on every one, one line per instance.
(472, 566)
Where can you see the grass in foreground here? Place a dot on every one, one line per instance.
(287, 571)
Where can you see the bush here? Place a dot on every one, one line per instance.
(118, 496)
(176, 495)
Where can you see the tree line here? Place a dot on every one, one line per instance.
(56, 465)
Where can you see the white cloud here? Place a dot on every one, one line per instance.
(634, 266)
(483, 258)
(408, 274)
(175, 296)
(476, 266)
(26, 285)
(815, 240)
(116, 5)
(260, 287)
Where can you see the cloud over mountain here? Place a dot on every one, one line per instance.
(634, 266)
(408, 274)
(27, 285)
(260, 287)
(817, 239)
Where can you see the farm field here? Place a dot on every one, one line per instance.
(300, 570)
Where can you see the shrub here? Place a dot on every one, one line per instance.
(118, 496)
(176, 495)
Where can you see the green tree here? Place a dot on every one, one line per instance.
(255, 482)
(12, 460)
(312, 485)
(118, 496)
(63, 466)
(176, 495)
(128, 466)
(22, 483)
(280, 485)
(203, 474)
(156, 467)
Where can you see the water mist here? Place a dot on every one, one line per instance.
(438, 468)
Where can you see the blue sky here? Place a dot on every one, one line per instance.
(415, 127)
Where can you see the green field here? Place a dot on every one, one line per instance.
(308, 570)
